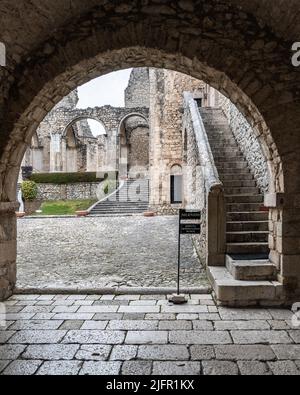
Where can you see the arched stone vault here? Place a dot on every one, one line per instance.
(241, 47)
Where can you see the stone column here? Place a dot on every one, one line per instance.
(8, 249)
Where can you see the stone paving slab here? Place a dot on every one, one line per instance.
(183, 341)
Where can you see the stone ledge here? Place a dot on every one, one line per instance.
(112, 291)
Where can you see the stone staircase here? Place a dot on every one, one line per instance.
(248, 273)
(131, 199)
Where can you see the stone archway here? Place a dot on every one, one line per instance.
(133, 146)
(196, 39)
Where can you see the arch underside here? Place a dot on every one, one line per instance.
(241, 55)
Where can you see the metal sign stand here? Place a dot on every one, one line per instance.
(186, 229)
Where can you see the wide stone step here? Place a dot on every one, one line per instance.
(240, 183)
(232, 165)
(247, 237)
(251, 269)
(236, 172)
(238, 207)
(249, 226)
(244, 198)
(247, 216)
(234, 176)
(247, 248)
(242, 191)
(235, 293)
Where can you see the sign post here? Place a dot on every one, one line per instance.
(189, 224)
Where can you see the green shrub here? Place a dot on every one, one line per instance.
(29, 190)
(65, 178)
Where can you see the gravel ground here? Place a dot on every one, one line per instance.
(104, 252)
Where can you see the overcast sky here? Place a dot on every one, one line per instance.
(108, 89)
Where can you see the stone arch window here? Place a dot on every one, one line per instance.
(176, 184)
(134, 146)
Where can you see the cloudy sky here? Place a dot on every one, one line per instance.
(108, 89)
(105, 90)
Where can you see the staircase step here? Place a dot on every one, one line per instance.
(247, 248)
(238, 207)
(242, 191)
(247, 216)
(235, 293)
(250, 226)
(232, 165)
(131, 199)
(244, 199)
(239, 183)
(236, 172)
(247, 237)
(251, 269)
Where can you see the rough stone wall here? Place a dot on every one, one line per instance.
(78, 191)
(89, 153)
(248, 142)
(166, 145)
(137, 92)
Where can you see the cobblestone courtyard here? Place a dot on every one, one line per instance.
(104, 252)
(144, 335)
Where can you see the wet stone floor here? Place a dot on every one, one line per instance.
(75, 253)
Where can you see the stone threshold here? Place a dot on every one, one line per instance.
(112, 291)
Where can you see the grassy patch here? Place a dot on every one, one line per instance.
(67, 207)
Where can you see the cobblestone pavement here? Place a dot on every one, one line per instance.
(104, 252)
(144, 335)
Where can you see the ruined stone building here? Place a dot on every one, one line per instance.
(141, 140)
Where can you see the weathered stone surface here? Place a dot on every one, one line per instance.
(51, 352)
(51, 259)
(175, 325)
(37, 337)
(133, 325)
(244, 353)
(100, 369)
(93, 353)
(284, 368)
(202, 353)
(59, 368)
(136, 368)
(199, 337)
(94, 337)
(253, 368)
(163, 353)
(220, 368)
(22, 368)
(149, 337)
(124, 353)
(261, 337)
(8, 352)
(176, 368)
(287, 352)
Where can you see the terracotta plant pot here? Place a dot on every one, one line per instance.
(20, 214)
(82, 213)
(149, 214)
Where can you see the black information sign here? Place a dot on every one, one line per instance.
(190, 229)
(189, 224)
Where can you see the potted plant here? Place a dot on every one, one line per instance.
(30, 192)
